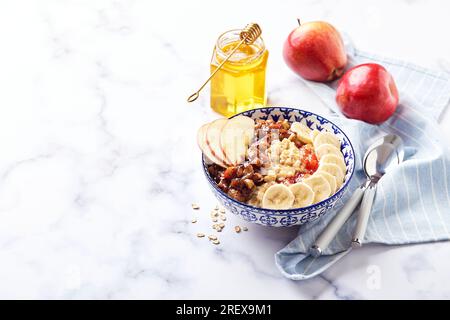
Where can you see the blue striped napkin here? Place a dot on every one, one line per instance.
(412, 203)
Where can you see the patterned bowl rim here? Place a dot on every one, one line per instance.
(286, 211)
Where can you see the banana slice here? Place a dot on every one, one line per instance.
(325, 137)
(335, 159)
(320, 186)
(304, 195)
(325, 149)
(331, 180)
(303, 132)
(334, 170)
(278, 196)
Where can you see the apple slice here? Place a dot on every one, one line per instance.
(213, 133)
(235, 138)
(203, 145)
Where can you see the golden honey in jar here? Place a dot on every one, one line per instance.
(240, 84)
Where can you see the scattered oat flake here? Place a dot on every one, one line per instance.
(245, 228)
(195, 206)
(212, 237)
(223, 218)
(193, 220)
(200, 235)
(222, 225)
(216, 242)
(237, 229)
(214, 214)
(222, 210)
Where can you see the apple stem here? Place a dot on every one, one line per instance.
(298, 20)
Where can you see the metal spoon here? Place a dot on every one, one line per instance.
(387, 153)
(380, 156)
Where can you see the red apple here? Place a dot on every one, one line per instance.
(315, 51)
(206, 147)
(367, 92)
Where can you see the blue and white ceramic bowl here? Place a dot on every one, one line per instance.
(290, 217)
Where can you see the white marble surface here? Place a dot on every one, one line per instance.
(99, 164)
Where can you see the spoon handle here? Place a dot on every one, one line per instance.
(363, 216)
(336, 224)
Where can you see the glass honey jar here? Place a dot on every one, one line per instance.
(240, 84)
